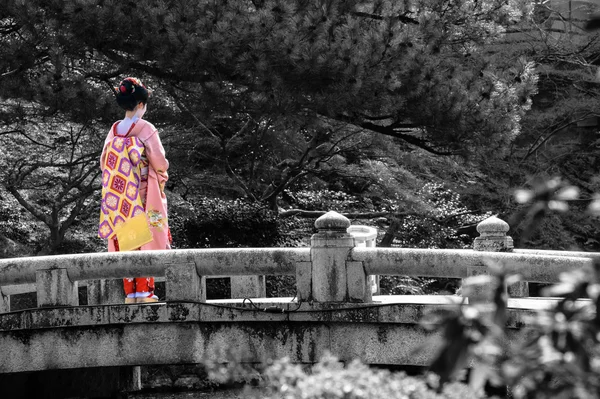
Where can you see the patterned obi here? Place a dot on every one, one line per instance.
(124, 171)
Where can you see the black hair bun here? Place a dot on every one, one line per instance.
(130, 92)
(127, 87)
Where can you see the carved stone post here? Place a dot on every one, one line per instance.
(333, 278)
(55, 288)
(493, 238)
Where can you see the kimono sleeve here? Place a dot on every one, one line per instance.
(156, 155)
(106, 142)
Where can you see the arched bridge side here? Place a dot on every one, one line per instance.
(186, 332)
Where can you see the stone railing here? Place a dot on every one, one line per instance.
(336, 268)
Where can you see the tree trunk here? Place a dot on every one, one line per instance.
(388, 237)
(56, 238)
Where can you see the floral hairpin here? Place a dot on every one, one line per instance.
(134, 82)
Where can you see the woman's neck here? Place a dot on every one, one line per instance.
(130, 114)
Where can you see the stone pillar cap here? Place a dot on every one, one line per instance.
(362, 232)
(492, 227)
(332, 221)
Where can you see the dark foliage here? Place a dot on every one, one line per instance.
(222, 224)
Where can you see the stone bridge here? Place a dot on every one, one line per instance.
(334, 308)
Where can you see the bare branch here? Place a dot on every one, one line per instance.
(541, 140)
(401, 17)
(22, 133)
(41, 216)
(185, 109)
(239, 181)
(349, 215)
(394, 130)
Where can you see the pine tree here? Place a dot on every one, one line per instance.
(264, 93)
(412, 70)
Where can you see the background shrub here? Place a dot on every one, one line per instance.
(332, 380)
(219, 223)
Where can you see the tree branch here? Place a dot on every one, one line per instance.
(401, 17)
(158, 72)
(537, 144)
(182, 106)
(22, 133)
(371, 215)
(392, 132)
(314, 214)
(239, 181)
(41, 216)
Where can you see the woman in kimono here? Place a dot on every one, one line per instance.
(134, 172)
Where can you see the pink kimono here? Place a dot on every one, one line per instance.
(154, 175)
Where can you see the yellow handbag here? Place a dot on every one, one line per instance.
(133, 233)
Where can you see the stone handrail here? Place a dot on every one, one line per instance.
(460, 263)
(209, 262)
(576, 254)
(55, 278)
(333, 269)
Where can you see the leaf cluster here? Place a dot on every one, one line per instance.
(221, 223)
(556, 356)
(329, 378)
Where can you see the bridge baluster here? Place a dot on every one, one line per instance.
(55, 288)
(493, 238)
(330, 276)
(105, 291)
(4, 302)
(182, 283)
